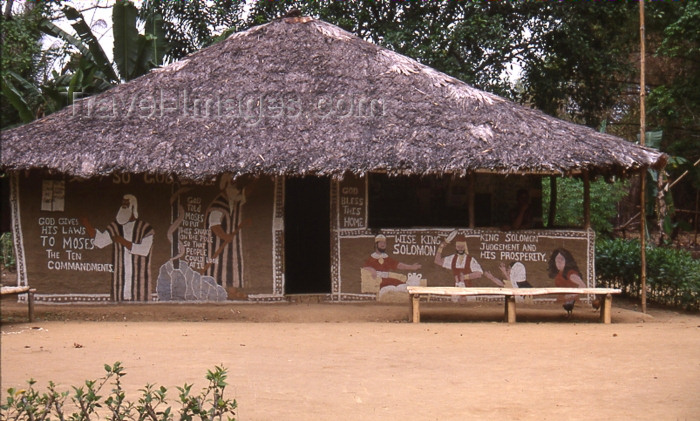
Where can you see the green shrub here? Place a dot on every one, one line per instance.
(30, 404)
(7, 251)
(673, 276)
(604, 199)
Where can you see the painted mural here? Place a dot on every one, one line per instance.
(462, 257)
(140, 238)
(131, 240)
(381, 273)
(563, 269)
(507, 253)
(207, 243)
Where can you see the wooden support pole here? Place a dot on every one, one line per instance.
(30, 304)
(415, 308)
(510, 309)
(606, 309)
(642, 140)
(586, 201)
(552, 201)
(472, 194)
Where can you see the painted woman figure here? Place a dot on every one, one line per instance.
(566, 274)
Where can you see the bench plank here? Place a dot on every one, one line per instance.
(509, 294)
(22, 290)
(13, 290)
(467, 291)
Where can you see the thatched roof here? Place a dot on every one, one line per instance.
(304, 74)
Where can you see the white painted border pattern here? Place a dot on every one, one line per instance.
(17, 237)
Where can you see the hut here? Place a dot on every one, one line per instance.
(293, 158)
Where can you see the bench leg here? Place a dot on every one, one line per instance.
(510, 309)
(414, 313)
(606, 310)
(30, 304)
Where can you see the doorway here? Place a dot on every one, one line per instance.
(307, 235)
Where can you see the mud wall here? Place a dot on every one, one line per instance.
(497, 256)
(188, 242)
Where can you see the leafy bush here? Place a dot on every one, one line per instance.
(30, 404)
(673, 276)
(7, 251)
(604, 199)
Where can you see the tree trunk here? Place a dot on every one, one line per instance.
(8, 9)
(661, 208)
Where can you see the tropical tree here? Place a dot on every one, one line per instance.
(88, 69)
(21, 53)
(191, 25)
(674, 97)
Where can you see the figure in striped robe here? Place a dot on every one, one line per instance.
(132, 240)
(224, 251)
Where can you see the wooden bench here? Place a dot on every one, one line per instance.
(509, 294)
(22, 290)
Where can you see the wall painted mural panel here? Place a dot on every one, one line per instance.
(140, 238)
(382, 264)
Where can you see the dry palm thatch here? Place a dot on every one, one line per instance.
(300, 96)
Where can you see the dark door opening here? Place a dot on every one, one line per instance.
(307, 235)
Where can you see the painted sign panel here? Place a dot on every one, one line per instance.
(383, 264)
(352, 206)
(142, 238)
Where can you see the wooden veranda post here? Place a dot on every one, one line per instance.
(472, 193)
(552, 201)
(586, 201)
(642, 138)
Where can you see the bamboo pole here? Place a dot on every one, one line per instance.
(552, 201)
(642, 139)
(586, 201)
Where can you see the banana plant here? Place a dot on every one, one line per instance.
(16, 99)
(89, 70)
(135, 54)
(658, 191)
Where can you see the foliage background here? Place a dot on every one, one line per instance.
(673, 276)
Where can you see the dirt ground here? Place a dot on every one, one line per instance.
(306, 361)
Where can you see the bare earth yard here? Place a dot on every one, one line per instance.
(308, 361)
